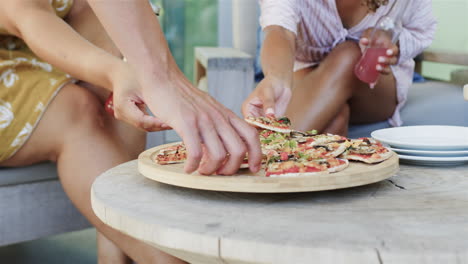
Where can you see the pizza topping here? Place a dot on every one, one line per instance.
(284, 120)
(172, 154)
(363, 150)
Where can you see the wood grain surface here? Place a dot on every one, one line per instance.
(418, 216)
(355, 175)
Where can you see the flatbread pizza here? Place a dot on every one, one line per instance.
(290, 153)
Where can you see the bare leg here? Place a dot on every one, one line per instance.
(85, 22)
(339, 124)
(321, 93)
(82, 19)
(74, 131)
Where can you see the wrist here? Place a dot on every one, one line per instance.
(119, 73)
(280, 81)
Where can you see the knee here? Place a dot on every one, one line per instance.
(348, 53)
(83, 110)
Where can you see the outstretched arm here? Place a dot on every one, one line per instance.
(272, 95)
(195, 116)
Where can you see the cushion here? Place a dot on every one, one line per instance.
(34, 173)
(429, 103)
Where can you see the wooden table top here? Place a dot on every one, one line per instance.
(418, 216)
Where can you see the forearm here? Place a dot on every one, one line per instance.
(134, 28)
(278, 53)
(50, 38)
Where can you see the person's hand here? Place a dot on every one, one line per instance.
(128, 105)
(381, 39)
(209, 130)
(270, 98)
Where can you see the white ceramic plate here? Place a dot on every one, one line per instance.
(433, 161)
(424, 137)
(431, 153)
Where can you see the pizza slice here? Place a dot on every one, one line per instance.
(282, 125)
(172, 155)
(366, 150)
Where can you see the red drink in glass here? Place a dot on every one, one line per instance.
(366, 69)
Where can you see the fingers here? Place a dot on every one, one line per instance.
(215, 154)
(268, 100)
(363, 42)
(134, 114)
(236, 137)
(384, 62)
(393, 51)
(191, 137)
(250, 136)
(252, 107)
(234, 145)
(383, 69)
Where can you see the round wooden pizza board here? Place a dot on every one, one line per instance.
(356, 174)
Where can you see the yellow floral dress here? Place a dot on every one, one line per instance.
(27, 86)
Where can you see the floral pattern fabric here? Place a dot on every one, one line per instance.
(27, 86)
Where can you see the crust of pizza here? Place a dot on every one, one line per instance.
(339, 167)
(264, 126)
(371, 159)
(299, 174)
(169, 162)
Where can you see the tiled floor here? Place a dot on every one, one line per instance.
(75, 247)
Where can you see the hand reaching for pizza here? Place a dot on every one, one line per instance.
(381, 38)
(127, 105)
(209, 130)
(270, 98)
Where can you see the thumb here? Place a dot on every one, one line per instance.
(268, 99)
(135, 114)
(363, 42)
(252, 106)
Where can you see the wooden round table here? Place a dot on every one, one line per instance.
(418, 216)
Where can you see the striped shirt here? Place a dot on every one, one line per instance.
(318, 29)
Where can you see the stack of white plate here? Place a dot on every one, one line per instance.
(427, 145)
